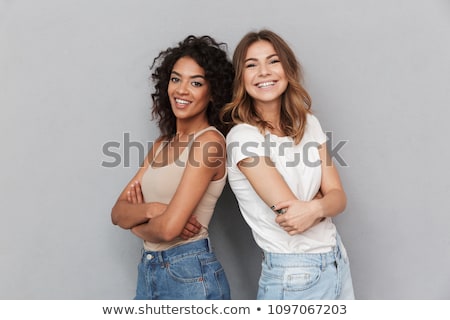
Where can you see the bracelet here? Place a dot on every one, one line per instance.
(279, 211)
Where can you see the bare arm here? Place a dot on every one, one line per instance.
(266, 180)
(193, 185)
(298, 215)
(334, 199)
(129, 209)
(134, 197)
(301, 215)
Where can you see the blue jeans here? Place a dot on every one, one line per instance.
(187, 272)
(306, 276)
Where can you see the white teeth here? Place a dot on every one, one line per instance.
(266, 84)
(181, 101)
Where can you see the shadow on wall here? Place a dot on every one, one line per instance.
(235, 248)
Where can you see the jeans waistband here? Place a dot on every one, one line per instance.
(303, 259)
(178, 251)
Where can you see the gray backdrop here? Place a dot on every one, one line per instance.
(74, 77)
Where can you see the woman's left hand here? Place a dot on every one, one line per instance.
(298, 215)
(134, 194)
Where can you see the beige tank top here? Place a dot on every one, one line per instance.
(160, 183)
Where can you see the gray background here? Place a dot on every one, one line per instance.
(74, 76)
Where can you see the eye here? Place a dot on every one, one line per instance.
(250, 65)
(273, 61)
(174, 79)
(196, 84)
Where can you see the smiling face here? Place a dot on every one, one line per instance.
(264, 77)
(188, 90)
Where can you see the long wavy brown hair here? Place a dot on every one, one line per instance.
(295, 102)
(212, 57)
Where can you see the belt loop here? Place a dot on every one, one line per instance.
(161, 257)
(337, 250)
(208, 244)
(266, 258)
(323, 263)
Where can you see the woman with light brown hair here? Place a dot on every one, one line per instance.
(277, 164)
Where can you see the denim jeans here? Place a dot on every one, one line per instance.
(186, 272)
(306, 276)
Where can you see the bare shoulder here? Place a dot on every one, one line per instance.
(211, 140)
(209, 151)
(210, 135)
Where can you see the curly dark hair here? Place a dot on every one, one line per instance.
(212, 57)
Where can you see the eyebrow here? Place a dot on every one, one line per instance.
(192, 77)
(267, 58)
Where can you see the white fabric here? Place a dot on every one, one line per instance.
(300, 167)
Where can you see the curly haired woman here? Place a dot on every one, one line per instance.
(171, 199)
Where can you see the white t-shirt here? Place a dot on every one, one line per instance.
(300, 167)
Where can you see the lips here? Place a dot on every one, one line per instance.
(265, 84)
(181, 103)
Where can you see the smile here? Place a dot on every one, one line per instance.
(181, 101)
(265, 84)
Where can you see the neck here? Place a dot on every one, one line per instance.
(186, 128)
(270, 112)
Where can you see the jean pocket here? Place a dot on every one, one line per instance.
(301, 278)
(187, 269)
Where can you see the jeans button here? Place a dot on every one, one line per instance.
(149, 257)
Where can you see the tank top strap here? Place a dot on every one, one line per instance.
(160, 147)
(199, 133)
(191, 141)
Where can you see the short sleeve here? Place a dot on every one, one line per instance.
(245, 141)
(315, 129)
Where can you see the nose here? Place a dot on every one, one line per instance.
(264, 70)
(182, 87)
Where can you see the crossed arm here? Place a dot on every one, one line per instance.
(299, 215)
(157, 222)
(139, 212)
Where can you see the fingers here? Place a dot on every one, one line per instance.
(186, 234)
(194, 222)
(281, 207)
(280, 219)
(191, 228)
(139, 197)
(134, 194)
(288, 225)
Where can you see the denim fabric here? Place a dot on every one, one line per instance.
(187, 272)
(308, 276)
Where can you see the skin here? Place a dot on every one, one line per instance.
(265, 81)
(189, 94)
